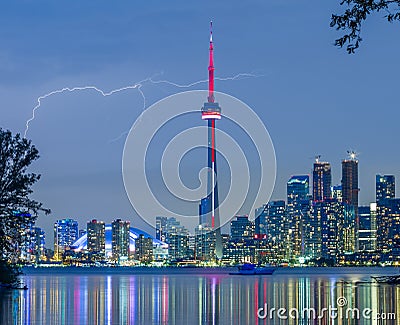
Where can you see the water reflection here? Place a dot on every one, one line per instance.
(193, 299)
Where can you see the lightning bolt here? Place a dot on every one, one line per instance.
(83, 88)
(136, 86)
(236, 77)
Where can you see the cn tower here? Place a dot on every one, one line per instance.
(211, 111)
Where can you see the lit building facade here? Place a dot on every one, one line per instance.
(144, 249)
(385, 187)
(367, 227)
(322, 181)
(350, 191)
(96, 239)
(270, 232)
(33, 248)
(120, 240)
(177, 237)
(350, 188)
(204, 243)
(297, 192)
(65, 234)
(332, 219)
(388, 228)
(242, 228)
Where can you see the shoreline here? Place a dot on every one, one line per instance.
(168, 270)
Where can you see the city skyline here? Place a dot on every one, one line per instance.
(385, 188)
(391, 190)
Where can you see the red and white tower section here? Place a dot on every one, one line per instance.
(211, 111)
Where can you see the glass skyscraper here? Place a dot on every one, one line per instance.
(120, 239)
(65, 234)
(350, 192)
(96, 239)
(297, 192)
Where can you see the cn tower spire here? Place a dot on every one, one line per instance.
(211, 69)
(209, 207)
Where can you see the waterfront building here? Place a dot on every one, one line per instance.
(178, 246)
(160, 248)
(241, 251)
(33, 249)
(297, 192)
(65, 234)
(388, 228)
(96, 239)
(177, 237)
(205, 243)
(120, 240)
(270, 232)
(144, 249)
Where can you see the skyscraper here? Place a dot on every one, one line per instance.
(297, 192)
(177, 237)
(350, 180)
(96, 239)
(322, 181)
(388, 232)
(350, 192)
(386, 212)
(144, 249)
(120, 239)
(332, 223)
(204, 243)
(65, 234)
(209, 207)
(271, 221)
(350, 228)
(33, 248)
(385, 187)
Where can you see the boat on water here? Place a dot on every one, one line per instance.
(252, 269)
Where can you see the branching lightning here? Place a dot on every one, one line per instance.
(236, 77)
(136, 86)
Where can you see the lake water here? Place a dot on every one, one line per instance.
(198, 296)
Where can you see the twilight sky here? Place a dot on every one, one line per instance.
(312, 97)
